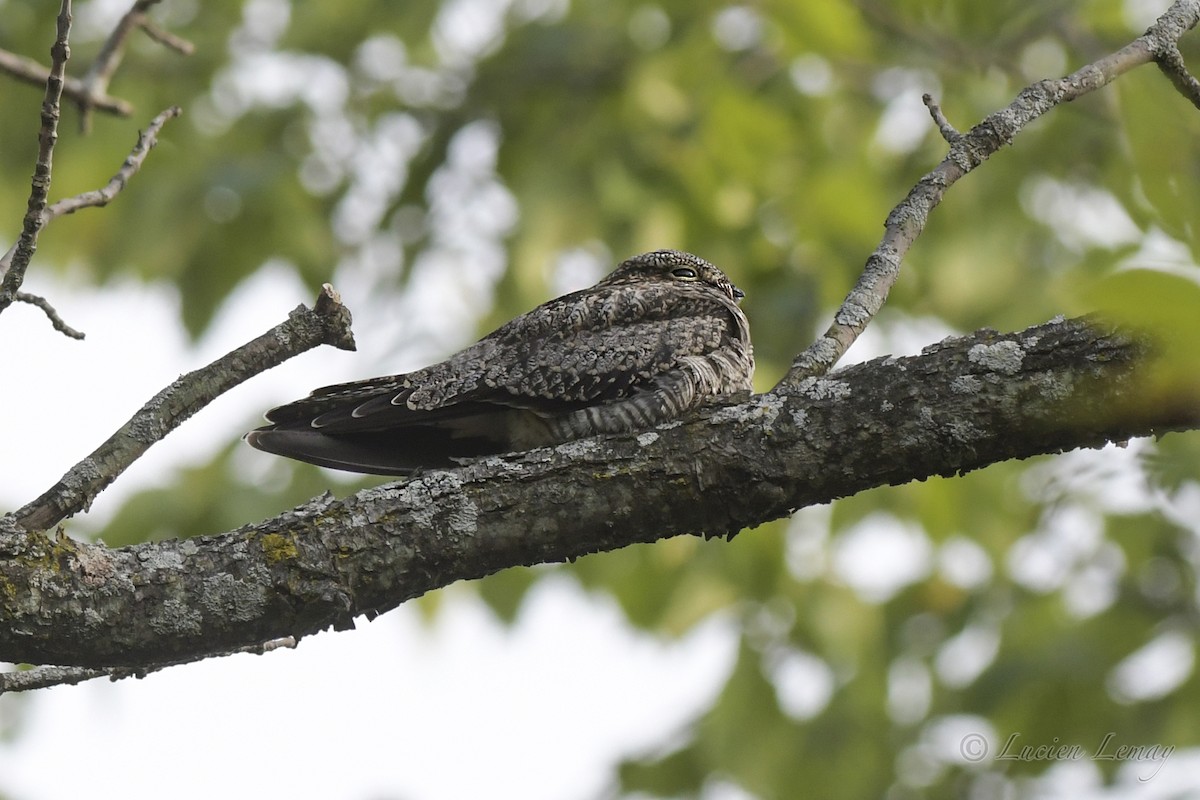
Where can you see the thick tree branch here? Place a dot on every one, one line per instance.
(960, 405)
(967, 151)
(14, 276)
(327, 323)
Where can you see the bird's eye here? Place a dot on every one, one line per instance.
(687, 273)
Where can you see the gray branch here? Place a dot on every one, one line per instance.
(100, 73)
(101, 197)
(29, 71)
(960, 405)
(1170, 61)
(51, 313)
(328, 322)
(969, 150)
(147, 139)
(34, 220)
(91, 91)
(24, 680)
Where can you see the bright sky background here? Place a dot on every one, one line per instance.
(465, 709)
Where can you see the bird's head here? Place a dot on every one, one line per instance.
(673, 266)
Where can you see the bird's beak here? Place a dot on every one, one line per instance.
(737, 293)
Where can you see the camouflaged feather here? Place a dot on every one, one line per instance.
(652, 340)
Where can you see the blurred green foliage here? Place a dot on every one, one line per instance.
(772, 138)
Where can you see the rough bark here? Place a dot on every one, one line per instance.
(960, 405)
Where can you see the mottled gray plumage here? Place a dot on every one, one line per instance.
(654, 339)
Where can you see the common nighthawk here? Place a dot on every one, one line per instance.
(654, 339)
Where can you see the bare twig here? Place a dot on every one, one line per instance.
(1170, 61)
(31, 72)
(91, 92)
(166, 38)
(45, 677)
(50, 312)
(147, 139)
(327, 323)
(100, 73)
(948, 131)
(967, 151)
(47, 137)
(103, 196)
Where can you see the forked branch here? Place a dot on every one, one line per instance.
(47, 137)
(967, 151)
(328, 322)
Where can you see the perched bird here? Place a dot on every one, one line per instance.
(654, 339)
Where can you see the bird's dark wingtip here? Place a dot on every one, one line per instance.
(271, 440)
(254, 437)
(314, 447)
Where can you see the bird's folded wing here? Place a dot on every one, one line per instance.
(577, 350)
(563, 371)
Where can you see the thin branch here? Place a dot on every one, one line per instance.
(328, 322)
(166, 38)
(147, 139)
(47, 137)
(1170, 61)
(91, 92)
(29, 71)
(100, 73)
(109, 58)
(45, 677)
(948, 131)
(967, 151)
(49, 310)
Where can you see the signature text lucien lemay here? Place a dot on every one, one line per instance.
(1109, 749)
